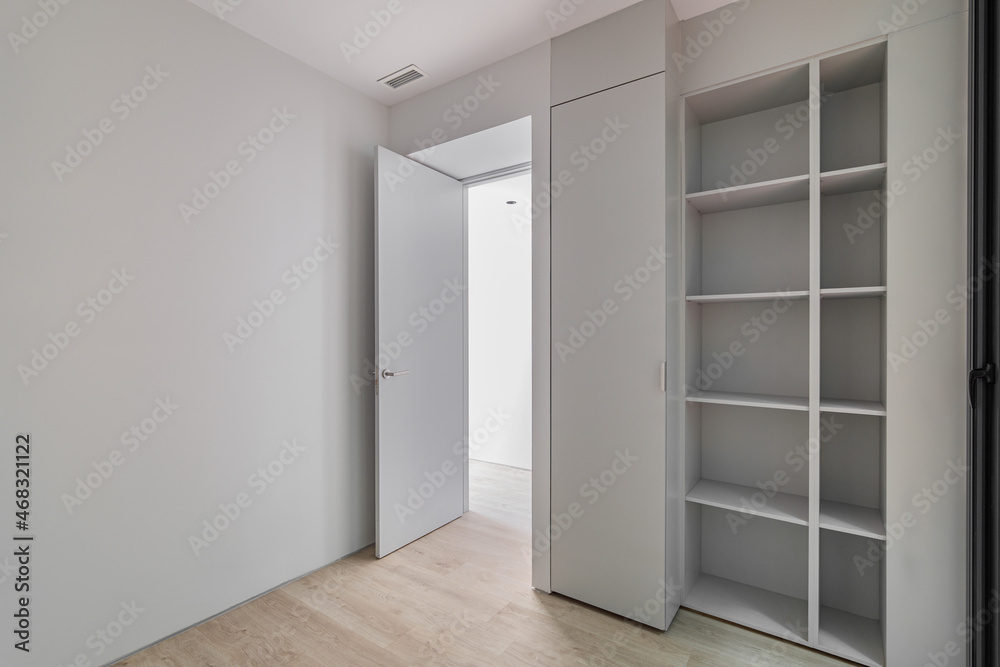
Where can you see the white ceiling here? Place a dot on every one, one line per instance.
(484, 152)
(445, 38)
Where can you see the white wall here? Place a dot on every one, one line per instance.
(523, 91)
(500, 323)
(162, 336)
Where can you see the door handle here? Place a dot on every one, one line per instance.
(987, 373)
(391, 374)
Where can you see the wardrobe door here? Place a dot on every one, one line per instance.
(609, 295)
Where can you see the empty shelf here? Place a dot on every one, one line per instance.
(756, 608)
(781, 191)
(782, 506)
(750, 400)
(753, 296)
(851, 636)
(856, 179)
(853, 519)
(850, 407)
(851, 292)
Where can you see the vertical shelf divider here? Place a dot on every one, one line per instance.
(815, 104)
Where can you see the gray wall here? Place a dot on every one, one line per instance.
(162, 336)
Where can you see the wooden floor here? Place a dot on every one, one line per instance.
(460, 596)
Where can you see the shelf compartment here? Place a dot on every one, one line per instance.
(852, 292)
(756, 608)
(851, 407)
(851, 636)
(768, 193)
(750, 400)
(850, 599)
(754, 296)
(853, 109)
(851, 519)
(734, 497)
(852, 243)
(855, 179)
(852, 357)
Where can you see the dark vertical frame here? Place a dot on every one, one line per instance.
(984, 190)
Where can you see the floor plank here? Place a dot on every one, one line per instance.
(460, 596)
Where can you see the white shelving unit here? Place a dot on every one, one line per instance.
(784, 307)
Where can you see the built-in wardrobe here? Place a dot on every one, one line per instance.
(758, 325)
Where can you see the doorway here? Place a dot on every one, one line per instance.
(423, 326)
(498, 255)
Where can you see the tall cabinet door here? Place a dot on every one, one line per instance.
(609, 295)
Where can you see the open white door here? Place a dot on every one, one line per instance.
(420, 321)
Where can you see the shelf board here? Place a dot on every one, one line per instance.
(850, 407)
(750, 296)
(756, 608)
(750, 400)
(852, 292)
(781, 507)
(853, 519)
(856, 179)
(851, 636)
(781, 191)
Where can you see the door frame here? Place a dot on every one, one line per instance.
(470, 182)
(984, 329)
(538, 110)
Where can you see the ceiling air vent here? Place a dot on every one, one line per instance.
(408, 74)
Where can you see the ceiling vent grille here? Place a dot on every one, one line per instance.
(404, 76)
